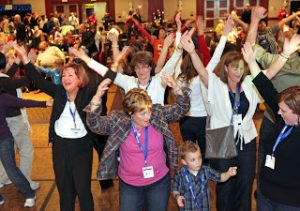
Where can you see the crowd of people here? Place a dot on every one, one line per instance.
(223, 78)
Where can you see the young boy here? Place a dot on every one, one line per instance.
(190, 187)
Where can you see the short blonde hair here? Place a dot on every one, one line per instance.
(136, 100)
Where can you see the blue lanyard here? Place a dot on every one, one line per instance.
(190, 186)
(73, 113)
(282, 135)
(237, 103)
(148, 84)
(144, 150)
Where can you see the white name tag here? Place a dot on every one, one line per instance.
(148, 172)
(270, 162)
(237, 119)
(75, 130)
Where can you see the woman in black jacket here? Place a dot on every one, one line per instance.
(280, 173)
(72, 142)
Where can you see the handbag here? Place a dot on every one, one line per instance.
(220, 143)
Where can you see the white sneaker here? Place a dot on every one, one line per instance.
(7, 182)
(34, 185)
(30, 202)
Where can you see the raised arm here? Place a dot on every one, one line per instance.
(142, 30)
(244, 25)
(288, 19)
(96, 122)
(113, 36)
(220, 47)
(188, 45)
(203, 48)
(164, 52)
(43, 84)
(182, 105)
(257, 14)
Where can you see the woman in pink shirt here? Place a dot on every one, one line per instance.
(141, 137)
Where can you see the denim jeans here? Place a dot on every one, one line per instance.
(235, 194)
(266, 204)
(8, 159)
(23, 143)
(153, 197)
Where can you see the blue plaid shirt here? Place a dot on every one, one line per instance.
(200, 186)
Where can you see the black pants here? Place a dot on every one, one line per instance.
(72, 161)
(193, 129)
(266, 130)
(235, 194)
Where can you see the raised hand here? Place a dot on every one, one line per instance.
(228, 26)
(248, 53)
(169, 40)
(102, 88)
(80, 54)
(177, 20)
(292, 45)
(259, 13)
(113, 35)
(186, 41)
(22, 53)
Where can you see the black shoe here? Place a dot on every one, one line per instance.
(106, 184)
(1, 200)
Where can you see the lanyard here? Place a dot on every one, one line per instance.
(73, 113)
(144, 150)
(148, 84)
(282, 135)
(237, 99)
(190, 185)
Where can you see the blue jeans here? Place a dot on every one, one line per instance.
(8, 159)
(153, 197)
(235, 194)
(266, 204)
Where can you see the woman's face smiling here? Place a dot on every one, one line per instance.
(143, 72)
(235, 71)
(70, 80)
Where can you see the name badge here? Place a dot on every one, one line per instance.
(75, 130)
(148, 172)
(270, 162)
(237, 119)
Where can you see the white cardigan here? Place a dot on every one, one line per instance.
(221, 110)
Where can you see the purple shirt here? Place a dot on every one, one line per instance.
(132, 158)
(6, 101)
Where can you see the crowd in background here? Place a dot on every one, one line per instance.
(221, 73)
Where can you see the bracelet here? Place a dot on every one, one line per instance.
(284, 56)
(115, 46)
(95, 103)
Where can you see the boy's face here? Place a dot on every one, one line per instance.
(193, 160)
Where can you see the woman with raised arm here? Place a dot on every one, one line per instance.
(139, 134)
(279, 177)
(72, 142)
(226, 82)
(143, 66)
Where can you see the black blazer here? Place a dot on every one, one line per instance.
(58, 93)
